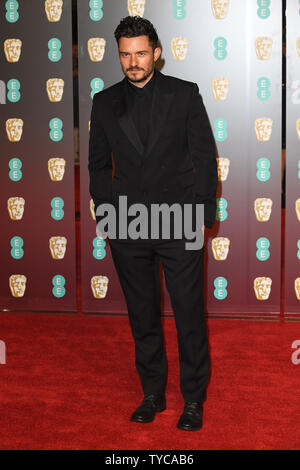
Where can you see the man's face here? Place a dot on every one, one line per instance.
(138, 58)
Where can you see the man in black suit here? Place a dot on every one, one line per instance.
(163, 149)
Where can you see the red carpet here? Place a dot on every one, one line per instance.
(70, 383)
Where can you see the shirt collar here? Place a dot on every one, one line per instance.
(148, 88)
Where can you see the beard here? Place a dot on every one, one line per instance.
(144, 77)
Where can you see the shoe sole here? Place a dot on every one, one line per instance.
(137, 420)
(189, 428)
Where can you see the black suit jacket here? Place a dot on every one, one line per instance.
(179, 156)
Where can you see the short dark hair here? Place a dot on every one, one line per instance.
(134, 26)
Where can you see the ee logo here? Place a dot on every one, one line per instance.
(263, 10)
(263, 85)
(298, 246)
(13, 93)
(97, 84)
(263, 166)
(298, 169)
(99, 248)
(54, 46)
(15, 166)
(96, 12)
(220, 126)
(179, 11)
(58, 283)
(56, 134)
(220, 291)
(220, 44)
(12, 14)
(57, 205)
(221, 214)
(263, 245)
(16, 244)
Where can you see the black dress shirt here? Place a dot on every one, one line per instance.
(140, 102)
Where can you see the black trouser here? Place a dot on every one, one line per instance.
(137, 267)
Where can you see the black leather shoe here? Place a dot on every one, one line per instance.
(151, 404)
(191, 418)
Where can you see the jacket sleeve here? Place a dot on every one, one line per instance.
(203, 152)
(100, 161)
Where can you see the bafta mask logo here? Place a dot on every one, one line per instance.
(96, 48)
(58, 246)
(262, 287)
(12, 49)
(263, 47)
(220, 8)
(298, 128)
(14, 129)
(263, 209)
(55, 89)
(179, 47)
(223, 168)
(99, 286)
(263, 129)
(53, 9)
(136, 7)
(92, 209)
(297, 287)
(17, 284)
(298, 46)
(56, 168)
(297, 208)
(220, 88)
(220, 248)
(15, 206)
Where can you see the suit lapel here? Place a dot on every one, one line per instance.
(160, 106)
(126, 123)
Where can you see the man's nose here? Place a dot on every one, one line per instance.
(133, 61)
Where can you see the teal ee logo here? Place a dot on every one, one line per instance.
(15, 166)
(12, 14)
(13, 94)
(54, 46)
(298, 169)
(298, 246)
(56, 134)
(57, 212)
(16, 244)
(179, 11)
(220, 132)
(262, 245)
(58, 283)
(96, 12)
(263, 88)
(263, 169)
(220, 44)
(221, 214)
(220, 291)
(97, 84)
(263, 10)
(99, 248)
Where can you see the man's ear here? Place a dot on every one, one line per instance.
(157, 53)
